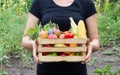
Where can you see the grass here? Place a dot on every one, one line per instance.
(11, 29)
(108, 25)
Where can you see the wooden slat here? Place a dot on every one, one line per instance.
(59, 41)
(66, 49)
(61, 58)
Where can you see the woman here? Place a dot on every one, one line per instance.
(59, 11)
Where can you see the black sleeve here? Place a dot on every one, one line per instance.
(35, 9)
(90, 8)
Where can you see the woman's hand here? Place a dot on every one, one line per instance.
(35, 51)
(91, 47)
(89, 52)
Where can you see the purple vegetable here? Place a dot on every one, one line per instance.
(50, 31)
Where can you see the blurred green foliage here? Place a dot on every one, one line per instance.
(109, 24)
(19, 6)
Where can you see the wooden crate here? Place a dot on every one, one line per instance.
(81, 48)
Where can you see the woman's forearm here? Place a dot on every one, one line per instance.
(95, 44)
(27, 42)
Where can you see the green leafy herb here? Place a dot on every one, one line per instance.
(33, 32)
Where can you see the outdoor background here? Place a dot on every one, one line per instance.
(14, 60)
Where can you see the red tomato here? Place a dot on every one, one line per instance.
(67, 45)
(62, 54)
(44, 53)
(67, 35)
(71, 35)
(46, 45)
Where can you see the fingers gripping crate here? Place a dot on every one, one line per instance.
(81, 49)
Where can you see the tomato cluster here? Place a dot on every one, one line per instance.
(69, 35)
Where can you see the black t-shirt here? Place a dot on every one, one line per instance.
(47, 10)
